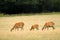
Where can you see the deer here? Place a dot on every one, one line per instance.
(18, 25)
(48, 25)
(35, 26)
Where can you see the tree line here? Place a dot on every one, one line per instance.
(29, 6)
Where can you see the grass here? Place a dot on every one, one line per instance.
(30, 35)
(6, 23)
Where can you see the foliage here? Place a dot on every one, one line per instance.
(29, 6)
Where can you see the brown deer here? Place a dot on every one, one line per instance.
(18, 25)
(48, 25)
(35, 26)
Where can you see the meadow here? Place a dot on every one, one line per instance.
(7, 22)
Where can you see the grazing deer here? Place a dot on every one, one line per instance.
(18, 25)
(35, 26)
(48, 25)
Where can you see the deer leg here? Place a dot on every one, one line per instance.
(53, 27)
(47, 28)
(17, 29)
(21, 28)
(37, 28)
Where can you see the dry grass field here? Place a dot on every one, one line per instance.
(6, 23)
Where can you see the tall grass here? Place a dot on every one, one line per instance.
(6, 23)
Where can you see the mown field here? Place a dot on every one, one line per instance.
(6, 23)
